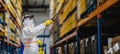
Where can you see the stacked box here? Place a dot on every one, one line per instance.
(59, 5)
(19, 13)
(17, 40)
(115, 39)
(85, 7)
(53, 5)
(12, 37)
(62, 50)
(71, 48)
(3, 20)
(2, 14)
(82, 6)
(5, 31)
(1, 33)
(116, 48)
(19, 6)
(14, 2)
(105, 49)
(10, 16)
(6, 28)
(18, 21)
(12, 25)
(10, 7)
(7, 18)
(18, 32)
(68, 25)
(70, 6)
(82, 46)
(20, 1)
(52, 8)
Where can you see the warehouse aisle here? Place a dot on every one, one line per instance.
(40, 17)
(59, 27)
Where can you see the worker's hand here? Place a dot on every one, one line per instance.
(48, 22)
(39, 42)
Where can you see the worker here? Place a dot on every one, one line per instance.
(29, 33)
(41, 51)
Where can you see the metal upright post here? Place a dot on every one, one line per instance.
(99, 35)
(54, 50)
(66, 48)
(0, 46)
(77, 45)
(77, 37)
(10, 49)
(7, 48)
(3, 45)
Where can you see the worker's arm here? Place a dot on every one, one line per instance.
(35, 31)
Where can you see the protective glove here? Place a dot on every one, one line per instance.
(39, 42)
(48, 22)
(41, 51)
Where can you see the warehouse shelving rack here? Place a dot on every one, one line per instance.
(8, 47)
(97, 12)
(13, 17)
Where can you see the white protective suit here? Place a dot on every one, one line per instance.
(28, 36)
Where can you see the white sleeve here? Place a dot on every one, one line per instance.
(35, 31)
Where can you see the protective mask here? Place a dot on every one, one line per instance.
(28, 22)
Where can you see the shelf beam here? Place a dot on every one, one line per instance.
(100, 9)
(66, 38)
(9, 42)
(16, 45)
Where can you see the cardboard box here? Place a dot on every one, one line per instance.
(70, 6)
(105, 49)
(2, 18)
(19, 13)
(60, 50)
(1, 33)
(12, 25)
(82, 6)
(19, 6)
(82, 46)
(10, 7)
(18, 32)
(7, 18)
(68, 25)
(6, 31)
(12, 37)
(14, 2)
(59, 5)
(71, 48)
(19, 1)
(116, 44)
(18, 40)
(115, 40)
(19, 21)
(116, 48)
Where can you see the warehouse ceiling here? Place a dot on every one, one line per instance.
(35, 4)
